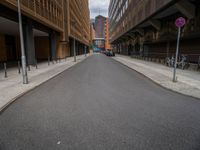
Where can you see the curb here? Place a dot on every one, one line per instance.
(2, 109)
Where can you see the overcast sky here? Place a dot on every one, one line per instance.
(97, 6)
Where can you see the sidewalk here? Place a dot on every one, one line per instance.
(11, 88)
(188, 81)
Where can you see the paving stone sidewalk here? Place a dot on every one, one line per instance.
(188, 81)
(11, 88)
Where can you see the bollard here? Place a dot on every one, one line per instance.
(29, 68)
(65, 58)
(19, 66)
(36, 66)
(5, 70)
(59, 60)
(48, 61)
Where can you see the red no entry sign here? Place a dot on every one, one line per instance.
(180, 22)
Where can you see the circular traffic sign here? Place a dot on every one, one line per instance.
(180, 22)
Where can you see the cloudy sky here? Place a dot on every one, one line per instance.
(97, 6)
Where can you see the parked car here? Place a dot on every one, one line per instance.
(110, 53)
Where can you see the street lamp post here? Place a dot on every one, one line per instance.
(23, 57)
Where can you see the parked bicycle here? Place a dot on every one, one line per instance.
(183, 62)
(170, 61)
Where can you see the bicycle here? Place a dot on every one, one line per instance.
(170, 62)
(183, 63)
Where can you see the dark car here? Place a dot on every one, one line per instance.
(110, 53)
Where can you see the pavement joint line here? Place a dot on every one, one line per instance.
(161, 83)
(10, 102)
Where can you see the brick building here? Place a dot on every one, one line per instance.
(49, 26)
(147, 27)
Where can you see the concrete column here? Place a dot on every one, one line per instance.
(126, 48)
(29, 43)
(77, 48)
(120, 51)
(72, 47)
(146, 50)
(53, 45)
(141, 49)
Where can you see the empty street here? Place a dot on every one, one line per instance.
(100, 104)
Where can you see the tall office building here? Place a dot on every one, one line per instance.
(49, 26)
(147, 27)
(99, 26)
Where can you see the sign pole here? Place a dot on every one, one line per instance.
(177, 51)
(180, 22)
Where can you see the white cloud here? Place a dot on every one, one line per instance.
(98, 7)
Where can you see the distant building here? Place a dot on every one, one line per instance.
(99, 26)
(107, 37)
(101, 40)
(98, 44)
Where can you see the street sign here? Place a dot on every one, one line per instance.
(180, 22)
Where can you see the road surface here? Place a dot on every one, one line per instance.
(100, 104)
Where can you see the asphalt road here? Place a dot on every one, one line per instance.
(100, 104)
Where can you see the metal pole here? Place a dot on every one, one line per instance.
(177, 50)
(74, 50)
(48, 60)
(23, 57)
(36, 66)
